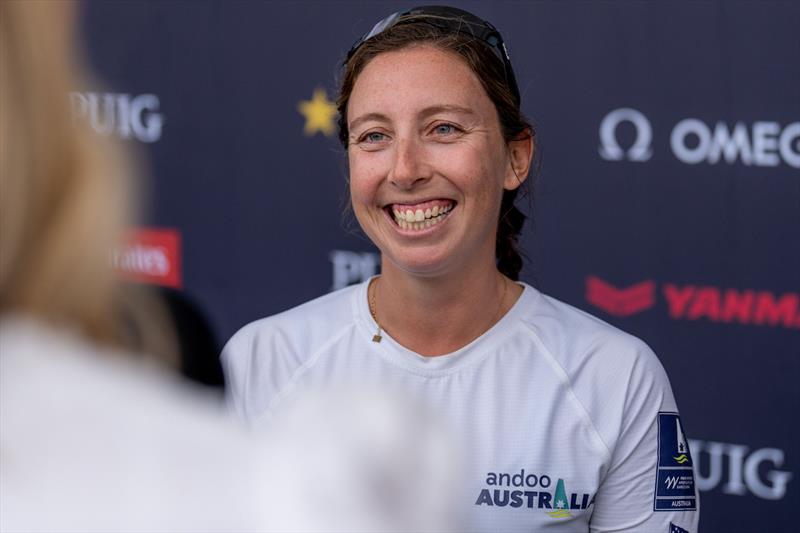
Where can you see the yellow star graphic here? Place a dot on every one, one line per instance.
(319, 113)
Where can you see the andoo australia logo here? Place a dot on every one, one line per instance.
(519, 492)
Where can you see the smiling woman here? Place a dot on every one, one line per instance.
(535, 390)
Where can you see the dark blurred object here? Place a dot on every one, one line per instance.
(194, 350)
(198, 347)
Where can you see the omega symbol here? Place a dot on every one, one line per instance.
(609, 147)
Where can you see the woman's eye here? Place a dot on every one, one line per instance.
(445, 129)
(373, 137)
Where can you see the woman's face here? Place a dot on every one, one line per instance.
(428, 162)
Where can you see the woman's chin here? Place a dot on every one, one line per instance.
(422, 263)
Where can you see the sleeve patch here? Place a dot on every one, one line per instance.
(676, 529)
(675, 490)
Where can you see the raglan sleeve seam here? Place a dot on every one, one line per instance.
(565, 378)
(281, 394)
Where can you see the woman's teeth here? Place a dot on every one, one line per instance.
(419, 219)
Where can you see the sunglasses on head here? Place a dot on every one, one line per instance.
(450, 20)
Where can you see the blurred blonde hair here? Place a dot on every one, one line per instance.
(65, 193)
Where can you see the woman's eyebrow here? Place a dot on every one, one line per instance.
(428, 111)
(433, 110)
(379, 117)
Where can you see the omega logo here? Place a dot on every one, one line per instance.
(609, 146)
(763, 143)
(127, 116)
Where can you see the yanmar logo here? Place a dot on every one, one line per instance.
(149, 256)
(696, 302)
(620, 302)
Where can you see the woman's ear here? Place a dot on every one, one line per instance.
(520, 155)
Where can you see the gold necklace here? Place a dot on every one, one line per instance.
(372, 288)
(377, 337)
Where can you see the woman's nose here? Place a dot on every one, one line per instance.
(408, 167)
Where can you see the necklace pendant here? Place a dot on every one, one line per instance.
(371, 301)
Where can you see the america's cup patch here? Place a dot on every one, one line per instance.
(675, 490)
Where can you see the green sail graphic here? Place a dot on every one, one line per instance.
(560, 502)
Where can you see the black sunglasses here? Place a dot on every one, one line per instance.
(452, 20)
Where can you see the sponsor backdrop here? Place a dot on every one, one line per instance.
(668, 201)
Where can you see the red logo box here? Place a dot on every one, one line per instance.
(150, 255)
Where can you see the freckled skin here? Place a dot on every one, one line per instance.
(431, 132)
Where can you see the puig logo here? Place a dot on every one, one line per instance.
(745, 472)
(352, 267)
(129, 117)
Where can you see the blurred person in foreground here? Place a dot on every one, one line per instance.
(94, 439)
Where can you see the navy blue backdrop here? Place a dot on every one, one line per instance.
(668, 202)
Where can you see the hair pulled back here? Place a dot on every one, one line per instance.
(490, 71)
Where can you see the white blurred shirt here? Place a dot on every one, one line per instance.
(92, 442)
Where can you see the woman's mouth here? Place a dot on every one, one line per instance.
(417, 217)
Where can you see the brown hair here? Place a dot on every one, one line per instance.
(66, 194)
(490, 71)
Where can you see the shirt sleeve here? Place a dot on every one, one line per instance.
(236, 357)
(649, 485)
(259, 362)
